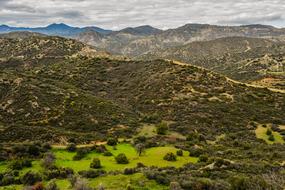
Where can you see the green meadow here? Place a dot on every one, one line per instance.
(150, 157)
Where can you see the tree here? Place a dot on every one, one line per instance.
(31, 178)
(269, 132)
(122, 159)
(71, 147)
(162, 128)
(96, 164)
(112, 142)
(179, 153)
(170, 157)
(140, 148)
(271, 138)
(48, 160)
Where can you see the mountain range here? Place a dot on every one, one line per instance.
(53, 29)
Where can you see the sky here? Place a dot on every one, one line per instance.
(164, 14)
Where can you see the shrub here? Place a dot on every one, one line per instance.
(174, 186)
(112, 142)
(122, 159)
(271, 138)
(71, 147)
(48, 160)
(20, 164)
(81, 153)
(195, 152)
(130, 171)
(91, 173)
(269, 132)
(95, 163)
(162, 128)
(170, 157)
(179, 153)
(31, 178)
(203, 158)
(34, 150)
(108, 153)
(140, 165)
(51, 186)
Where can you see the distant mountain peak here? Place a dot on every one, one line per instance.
(60, 26)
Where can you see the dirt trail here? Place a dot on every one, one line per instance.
(228, 79)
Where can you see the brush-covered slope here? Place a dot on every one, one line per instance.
(251, 60)
(24, 48)
(105, 96)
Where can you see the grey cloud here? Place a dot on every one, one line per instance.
(159, 13)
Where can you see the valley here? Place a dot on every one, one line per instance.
(192, 111)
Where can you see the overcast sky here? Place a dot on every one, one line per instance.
(117, 14)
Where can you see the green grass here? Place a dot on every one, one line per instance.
(3, 166)
(152, 157)
(147, 131)
(120, 182)
(261, 134)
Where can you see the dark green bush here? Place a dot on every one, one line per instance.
(112, 141)
(122, 159)
(91, 173)
(269, 132)
(162, 128)
(96, 164)
(179, 153)
(71, 147)
(30, 178)
(170, 157)
(20, 164)
(271, 138)
(108, 153)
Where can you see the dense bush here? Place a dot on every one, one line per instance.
(61, 173)
(269, 132)
(91, 173)
(107, 153)
(161, 128)
(179, 153)
(271, 138)
(81, 153)
(51, 186)
(195, 152)
(96, 163)
(122, 159)
(48, 160)
(71, 147)
(170, 157)
(20, 164)
(129, 171)
(30, 178)
(112, 141)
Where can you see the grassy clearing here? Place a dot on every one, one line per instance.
(120, 182)
(152, 157)
(261, 134)
(147, 131)
(150, 131)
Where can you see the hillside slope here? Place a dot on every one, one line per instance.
(79, 94)
(249, 60)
